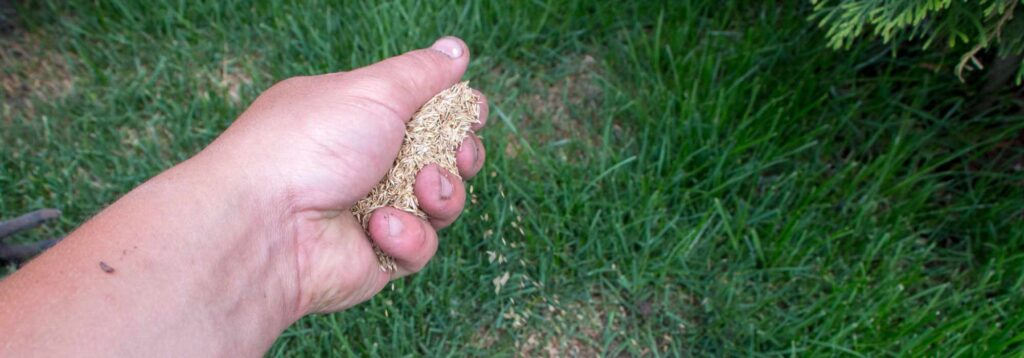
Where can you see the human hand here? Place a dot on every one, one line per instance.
(313, 146)
(217, 255)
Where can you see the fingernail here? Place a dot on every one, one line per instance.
(395, 226)
(446, 186)
(448, 46)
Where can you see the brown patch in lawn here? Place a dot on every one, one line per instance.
(597, 325)
(32, 71)
(578, 88)
(569, 105)
(484, 338)
(231, 82)
(589, 326)
(227, 79)
(576, 329)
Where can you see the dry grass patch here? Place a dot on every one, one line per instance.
(32, 72)
(564, 111)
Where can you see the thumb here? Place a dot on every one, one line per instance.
(405, 82)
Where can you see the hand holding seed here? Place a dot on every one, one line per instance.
(279, 217)
(430, 138)
(328, 141)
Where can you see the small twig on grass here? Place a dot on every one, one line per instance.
(20, 253)
(969, 56)
(27, 221)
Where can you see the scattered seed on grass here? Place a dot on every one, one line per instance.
(499, 282)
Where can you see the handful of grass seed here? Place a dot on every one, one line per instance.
(431, 136)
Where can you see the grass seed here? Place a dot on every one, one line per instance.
(431, 136)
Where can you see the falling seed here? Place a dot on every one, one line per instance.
(431, 136)
(499, 282)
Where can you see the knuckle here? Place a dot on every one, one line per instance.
(374, 94)
(423, 61)
(428, 59)
(292, 81)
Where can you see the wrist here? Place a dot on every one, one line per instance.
(245, 263)
(190, 262)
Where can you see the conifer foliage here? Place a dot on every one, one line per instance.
(963, 27)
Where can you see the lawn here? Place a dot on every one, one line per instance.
(700, 178)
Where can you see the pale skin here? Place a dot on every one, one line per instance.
(219, 254)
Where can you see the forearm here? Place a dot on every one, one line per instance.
(183, 265)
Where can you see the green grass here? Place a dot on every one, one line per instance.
(698, 179)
